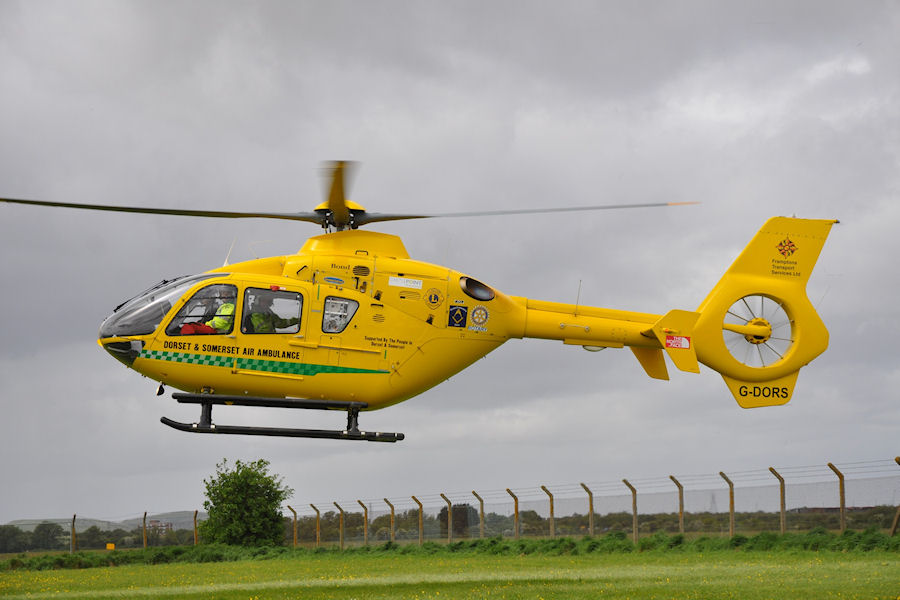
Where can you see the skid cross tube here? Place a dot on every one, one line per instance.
(206, 402)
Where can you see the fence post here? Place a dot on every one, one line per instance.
(515, 512)
(841, 492)
(449, 518)
(144, 529)
(365, 523)
(680, 504)
(480, 514)
(392, 517)
(730, 504)
(73, 540)
(634, 517)
(590, 509)
(318, 528)
(781, 486)
(552, 519)
(293, 528)
(897, 515)
(421, 521)
(196, 533)
(341, 524)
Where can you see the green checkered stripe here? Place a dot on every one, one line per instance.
(210, 360)
(251, 364)
(292, 368)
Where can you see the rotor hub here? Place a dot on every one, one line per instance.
(759, 336)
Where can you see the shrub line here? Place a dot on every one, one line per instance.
(818, 539)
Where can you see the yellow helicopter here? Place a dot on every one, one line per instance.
(352, 323)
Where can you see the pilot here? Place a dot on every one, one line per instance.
(224, 318)
(263, 320)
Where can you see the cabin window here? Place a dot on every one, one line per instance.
(271, 311)
(209, 311)
(337, 314)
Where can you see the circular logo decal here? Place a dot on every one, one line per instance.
(480, 315)
(434, 298)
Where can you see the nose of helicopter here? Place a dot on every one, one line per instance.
(118, 341)
(124, 351)
(122, 333)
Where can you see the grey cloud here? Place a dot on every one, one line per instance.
(755, 109)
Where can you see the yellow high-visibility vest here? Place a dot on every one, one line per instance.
(224, 318)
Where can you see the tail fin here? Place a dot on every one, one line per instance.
(757, 327)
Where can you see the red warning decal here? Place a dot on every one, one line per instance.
(678, 341)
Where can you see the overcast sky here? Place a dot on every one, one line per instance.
(754, 109)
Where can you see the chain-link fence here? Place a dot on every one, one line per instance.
(859, 495)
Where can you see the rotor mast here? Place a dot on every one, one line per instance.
(337, 211)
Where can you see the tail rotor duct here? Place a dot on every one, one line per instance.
(758, 331)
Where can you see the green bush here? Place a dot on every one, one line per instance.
(817, 539)
(615, 541)
(243, 504)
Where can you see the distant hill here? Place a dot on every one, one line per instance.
(183, 519)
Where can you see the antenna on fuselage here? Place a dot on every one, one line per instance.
(578, 298)
(228, 256)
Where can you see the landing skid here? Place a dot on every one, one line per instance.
(206, 401)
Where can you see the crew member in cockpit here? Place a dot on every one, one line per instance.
(224, 318)
(263, 320)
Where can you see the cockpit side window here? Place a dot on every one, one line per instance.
(209, 311)
(337, 314)
(271, 311)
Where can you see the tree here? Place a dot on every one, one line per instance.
(463, 517)
(244, 505)
(91, 537)
(13, 539)
(47, 536)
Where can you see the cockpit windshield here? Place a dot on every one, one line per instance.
(143, 313)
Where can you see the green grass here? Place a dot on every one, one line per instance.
(717, 574)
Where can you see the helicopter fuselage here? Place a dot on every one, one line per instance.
(411, 325)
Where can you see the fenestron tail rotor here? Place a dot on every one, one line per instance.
(758, 331)
(757, 327)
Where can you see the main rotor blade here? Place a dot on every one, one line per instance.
(377, 217)
(534, 211)
(337, 199)
(222, 214)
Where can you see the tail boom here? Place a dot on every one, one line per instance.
(757, 327)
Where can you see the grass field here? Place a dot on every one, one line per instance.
(721, 574)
